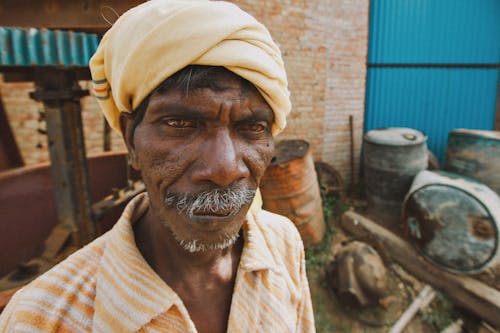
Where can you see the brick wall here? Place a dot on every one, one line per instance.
(24, 114)
(324, 45)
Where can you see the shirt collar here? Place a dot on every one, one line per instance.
(126, 284)
(256, 253)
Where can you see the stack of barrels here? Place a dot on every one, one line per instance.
(453, 216)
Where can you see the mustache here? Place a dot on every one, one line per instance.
(226, 201)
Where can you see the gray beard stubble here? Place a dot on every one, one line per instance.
(223, 201)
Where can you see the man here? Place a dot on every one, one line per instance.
(197, 89)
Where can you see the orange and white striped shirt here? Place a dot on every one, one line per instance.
(108, 286)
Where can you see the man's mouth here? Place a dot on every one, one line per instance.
(220, 203)
(219, 213)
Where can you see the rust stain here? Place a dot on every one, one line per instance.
(290, 187)
(481, 227)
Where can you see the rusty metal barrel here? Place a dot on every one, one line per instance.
(290, 188)
(392, 158)
(475, 154)
(454, 221)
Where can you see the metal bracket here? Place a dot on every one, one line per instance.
(51, 95)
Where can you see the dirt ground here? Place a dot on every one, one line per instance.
(331, 315)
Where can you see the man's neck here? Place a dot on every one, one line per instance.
(168, 259)
(199, 279)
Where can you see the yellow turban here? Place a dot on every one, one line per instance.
(156, 39)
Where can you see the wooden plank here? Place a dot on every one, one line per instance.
(62, 14)
(423, 299)
(465, 291)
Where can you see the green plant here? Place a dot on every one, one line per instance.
(321, 318)
(317, 256)
(440, 313)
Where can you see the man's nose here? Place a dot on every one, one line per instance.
(221, 161)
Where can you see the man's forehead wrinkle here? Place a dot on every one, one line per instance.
(225, 110)
(216, 83)
(218, 90)
(262, 113)
(231, 100)
(224, 85)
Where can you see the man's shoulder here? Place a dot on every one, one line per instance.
(279, 230)
(270, 219)
(61, 297)
(286, 250)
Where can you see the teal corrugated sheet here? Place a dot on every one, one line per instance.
(433, 100)
(44, 47)
(434, 31)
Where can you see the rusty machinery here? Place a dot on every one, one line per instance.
(55, 58)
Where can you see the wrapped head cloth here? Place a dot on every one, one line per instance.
(151, 42)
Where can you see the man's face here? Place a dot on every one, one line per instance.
(202, 155)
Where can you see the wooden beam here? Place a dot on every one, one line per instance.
(82, 15)
(465, 291)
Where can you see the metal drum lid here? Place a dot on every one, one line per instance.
(395, 136)
(453, 221)
(493, 135)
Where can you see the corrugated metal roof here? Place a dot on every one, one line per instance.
(45, 47)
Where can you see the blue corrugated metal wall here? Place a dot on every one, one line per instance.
(433, 99)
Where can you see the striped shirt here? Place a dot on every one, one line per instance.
(108, 286)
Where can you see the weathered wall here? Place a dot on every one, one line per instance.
(24, 118)
(324, 45)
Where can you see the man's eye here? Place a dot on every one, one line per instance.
(254, 127)
(180, 123)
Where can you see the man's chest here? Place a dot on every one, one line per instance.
(209, 309)
(260, 302)
(263, 302)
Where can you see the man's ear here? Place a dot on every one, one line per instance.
(127, 128)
